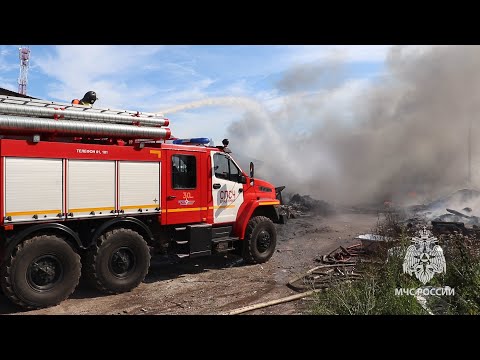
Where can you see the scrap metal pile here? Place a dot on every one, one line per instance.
(338, 265)
(444, 217)
(464, 224)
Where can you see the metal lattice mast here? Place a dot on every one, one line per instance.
(24, 55)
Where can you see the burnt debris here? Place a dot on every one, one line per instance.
(302, 204)
(455, 221)
(445, 214)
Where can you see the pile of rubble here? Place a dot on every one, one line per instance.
(343, 255)
(445, 214)
(455, 221)
(300, 205)
(338, 265)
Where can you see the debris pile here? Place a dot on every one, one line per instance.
(457, 216)
(342, 255)
(456, 221)
(415, 223)
(445, 214)
(338, 265)
(372, 243)
(301, 204)
(468, 200)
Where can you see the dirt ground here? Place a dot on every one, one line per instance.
(219, 283)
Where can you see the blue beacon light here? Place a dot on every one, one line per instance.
(192, 141)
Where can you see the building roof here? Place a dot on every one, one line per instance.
(13, 93)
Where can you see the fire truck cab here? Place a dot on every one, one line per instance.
(87, 198)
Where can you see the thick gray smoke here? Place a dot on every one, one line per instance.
(403, 134)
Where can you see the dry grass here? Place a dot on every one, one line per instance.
(375, 294)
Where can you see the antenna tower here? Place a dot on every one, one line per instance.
(24, 55)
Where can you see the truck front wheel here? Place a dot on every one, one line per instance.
(118, 262)
(41, 271)
(260, 240)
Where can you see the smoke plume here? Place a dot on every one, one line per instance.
(403, 135)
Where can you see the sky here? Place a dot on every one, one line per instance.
(230, 79)
(348, 124)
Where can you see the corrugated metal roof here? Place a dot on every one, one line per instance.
(13, 93)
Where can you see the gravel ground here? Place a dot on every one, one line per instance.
(215, 284)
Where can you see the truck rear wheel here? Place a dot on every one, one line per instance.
(118, 262)
(41, 271)
(260, 240)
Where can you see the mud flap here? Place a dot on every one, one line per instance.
(282, 218)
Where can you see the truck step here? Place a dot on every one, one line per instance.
(224, 250)
(200, 253)
(181, 242)
(223, 231)
(224, 239)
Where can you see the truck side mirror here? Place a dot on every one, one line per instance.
(252, 172)
(242, 179)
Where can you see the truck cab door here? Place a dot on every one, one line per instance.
(227, 190)
(185, 202)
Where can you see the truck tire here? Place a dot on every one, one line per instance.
(118, 262)
(260, 240)
(42, 271)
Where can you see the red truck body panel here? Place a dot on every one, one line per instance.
(199, 200)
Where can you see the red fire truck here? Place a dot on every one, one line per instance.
(97, 191)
